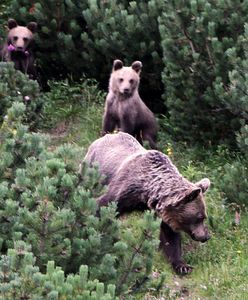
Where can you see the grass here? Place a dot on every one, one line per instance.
(73, 113)
(221, 264)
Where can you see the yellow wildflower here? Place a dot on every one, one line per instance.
(14, 131)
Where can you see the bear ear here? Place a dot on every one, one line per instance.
(185, 197)
(182, 197)
(12, 23)
(203, 184)
(136, 66)
(118, 64)
(191, 196)
(32, 26)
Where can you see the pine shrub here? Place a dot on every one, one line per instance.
(234, 178)
(200, 41)
(17, 87)
(3, 19)
(234, 183)
(238, 100)
(47, 203)
(22, 279)
(85, 37)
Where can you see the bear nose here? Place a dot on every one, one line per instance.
(126, 91)
(205, 238)
(208, 237)
(201, 239)
(19, 48)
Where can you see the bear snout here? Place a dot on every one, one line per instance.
(19, 48)
(201, 238)
(126, 91)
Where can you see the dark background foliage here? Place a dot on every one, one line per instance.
(188, 49)
(79, 37)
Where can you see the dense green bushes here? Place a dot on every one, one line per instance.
(3, 17)
(85, 37)
(237, 102)
(47, 203)
(201, 40)
(234, 183)
(21, 279)
(47, 208)
(204, 59)
(194, 43)
(234, 177)
(15, 86)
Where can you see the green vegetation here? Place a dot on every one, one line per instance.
(52, 245)
(219, 265)
(48, 212)
(16, 87)
(202, 42)
(77, 37)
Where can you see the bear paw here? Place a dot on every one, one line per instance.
(182, 268)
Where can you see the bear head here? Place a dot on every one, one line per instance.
(124, 81)
(20, 37)
(186, 211)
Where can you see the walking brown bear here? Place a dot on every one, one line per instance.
(139, 177)
(124, 109)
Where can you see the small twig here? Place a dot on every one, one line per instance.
(209, 55)
(190, 41)
(125, 275)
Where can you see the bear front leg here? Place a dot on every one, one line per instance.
(109, 124)
(138, 136)
(151, 138)
(104, 200)
(32, 71)
(126, 127)
(170, 243)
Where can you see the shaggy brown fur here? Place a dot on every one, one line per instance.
(124, 109)
(18, 47)
(137, 177)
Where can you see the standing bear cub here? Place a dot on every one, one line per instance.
(137, 178)
(18, 47)
(124, 109)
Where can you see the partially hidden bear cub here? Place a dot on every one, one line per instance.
(124, 109)
(18, 47)
(137, 177)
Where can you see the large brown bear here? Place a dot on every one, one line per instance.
(18, 47)
(137, 177)
(124, 109)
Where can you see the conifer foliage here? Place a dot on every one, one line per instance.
(234, 181)
(15, 86)
(200, 40)
(84, 37)
(238, 102)
(21, 279)
(48, 218)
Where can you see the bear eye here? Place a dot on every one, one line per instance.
(15, 38)
(200, 219)
(131, 81)
(120, 79)
(25, 39)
